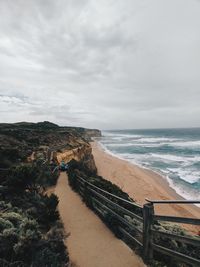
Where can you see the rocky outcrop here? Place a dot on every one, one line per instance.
(83, 154)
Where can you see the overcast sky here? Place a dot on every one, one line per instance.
(104, 64)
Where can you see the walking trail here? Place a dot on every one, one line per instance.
(91, 243)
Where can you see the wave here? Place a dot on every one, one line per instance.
(117, 135)
(169, 157)
(175, 156)
(184, 191)
(132, 144)
(157, 139)
(189, 176)
(143, 158)
(120, 144)
(185, 176)
(146, 140)
(125, 156)
(186, 172)
(109, 151)
(115, 145)
(194, 144)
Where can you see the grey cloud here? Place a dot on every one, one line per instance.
(105, 64)
(64, 113)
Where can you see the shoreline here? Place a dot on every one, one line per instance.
(140, 183)
(156, 173)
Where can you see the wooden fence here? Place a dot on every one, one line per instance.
(139, 229)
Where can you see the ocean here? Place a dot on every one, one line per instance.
(173, 153)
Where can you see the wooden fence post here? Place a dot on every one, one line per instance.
(148, 211)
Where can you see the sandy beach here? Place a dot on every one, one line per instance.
(141, 183)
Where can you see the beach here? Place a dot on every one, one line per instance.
(142, 183)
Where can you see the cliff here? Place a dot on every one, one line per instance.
(83, 154)
(20, 142)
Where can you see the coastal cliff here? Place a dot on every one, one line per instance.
(22, 142)
(83, 154)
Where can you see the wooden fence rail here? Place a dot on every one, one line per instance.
(140, 230)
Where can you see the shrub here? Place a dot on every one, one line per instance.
(5, 224)
(21, 178)
(13, 217)
(28, 218)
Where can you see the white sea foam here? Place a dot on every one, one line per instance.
(156, 139)
(195, 158)
(110, 152)
(190, 176)
(134, 143)
(183, 191)
(120, 144)
(169, 157)
(125, 156)
(193, 144)
(148, 144)
(120, 135)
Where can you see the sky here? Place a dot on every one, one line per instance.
(109, 64)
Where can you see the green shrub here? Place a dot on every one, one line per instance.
(27, 224)
(22, 178)
(13, 217)
(5, 224)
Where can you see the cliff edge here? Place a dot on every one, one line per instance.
(24, 141)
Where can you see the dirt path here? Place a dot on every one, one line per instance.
(91, 243)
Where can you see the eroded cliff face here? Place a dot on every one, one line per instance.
(82, 153)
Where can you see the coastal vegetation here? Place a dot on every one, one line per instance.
(31, 233)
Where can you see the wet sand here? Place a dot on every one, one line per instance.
(141, 183)
(91, 243)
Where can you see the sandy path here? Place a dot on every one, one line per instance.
(140, 183)
(91, 243)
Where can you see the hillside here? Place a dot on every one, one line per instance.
(19, 140)
(31, 233)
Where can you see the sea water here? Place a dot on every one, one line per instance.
(174, 153)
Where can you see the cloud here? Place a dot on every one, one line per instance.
(105, 64)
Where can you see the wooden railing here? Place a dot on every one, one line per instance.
(151, 232)
(137, 228)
